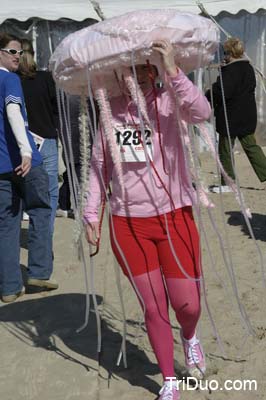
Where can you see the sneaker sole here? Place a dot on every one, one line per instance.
(10, 298)
(61, 214)
(42, 284)
(197, 372)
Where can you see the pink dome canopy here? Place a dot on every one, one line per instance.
(126, 39)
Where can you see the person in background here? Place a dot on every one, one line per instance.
(65, 208)
(237, 84)
(40, 98)
(22, 177)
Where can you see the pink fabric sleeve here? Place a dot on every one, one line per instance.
(193, 105)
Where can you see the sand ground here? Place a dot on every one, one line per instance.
(44, 358)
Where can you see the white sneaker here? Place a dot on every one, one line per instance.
(48, 284)
(61, 213)
(194, 357)
(25, 216)
(10, 298)
(169, 391)
(220, 189)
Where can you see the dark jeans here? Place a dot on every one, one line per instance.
(33, 190)
(253, 151)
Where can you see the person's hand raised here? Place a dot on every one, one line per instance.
(166, 50)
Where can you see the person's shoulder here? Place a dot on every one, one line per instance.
(11, 86)
(247, 64)
(4, 72)
(243, 66)
(42, 72)
(45, 74)
(12, 78)
(239, 64)
(244, 62)
(227, 67)
(11, 75)
(233, 69)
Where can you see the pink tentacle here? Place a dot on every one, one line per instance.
(202, 194)
(203, 197)
(136, 94)
(106, 120)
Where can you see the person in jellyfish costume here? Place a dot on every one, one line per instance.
(134, 66)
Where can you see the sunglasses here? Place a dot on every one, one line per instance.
(13, 51)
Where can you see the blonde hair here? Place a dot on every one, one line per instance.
(27, 65)
(234, 47)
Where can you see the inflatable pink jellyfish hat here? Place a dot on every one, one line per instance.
(92, 61)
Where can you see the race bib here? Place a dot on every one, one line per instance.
(38, 140)
(130, 143)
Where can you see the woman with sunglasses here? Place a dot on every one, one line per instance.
(22, 177)
(152, 222)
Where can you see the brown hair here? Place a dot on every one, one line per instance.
(27, 65)
(234, 47)
(5, 38)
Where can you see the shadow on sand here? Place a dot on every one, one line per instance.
(41, 320)
(257, 222)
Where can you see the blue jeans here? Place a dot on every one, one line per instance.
(49, 152)
(33, 190)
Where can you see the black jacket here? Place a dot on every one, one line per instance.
(41, 104)
(239, 83)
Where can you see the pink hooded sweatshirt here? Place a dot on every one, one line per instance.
(145, 192)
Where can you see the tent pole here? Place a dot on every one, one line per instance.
(49, 38)
(34, 40)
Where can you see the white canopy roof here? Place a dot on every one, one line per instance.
(81, 9)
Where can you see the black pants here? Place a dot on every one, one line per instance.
(64, 191)
(253, 151)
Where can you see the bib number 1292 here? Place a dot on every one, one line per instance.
(130, 143)
(129, 137)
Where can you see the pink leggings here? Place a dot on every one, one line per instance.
(184, 297)
(157, 276)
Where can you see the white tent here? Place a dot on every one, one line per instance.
(42, 21)
(81, 9)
